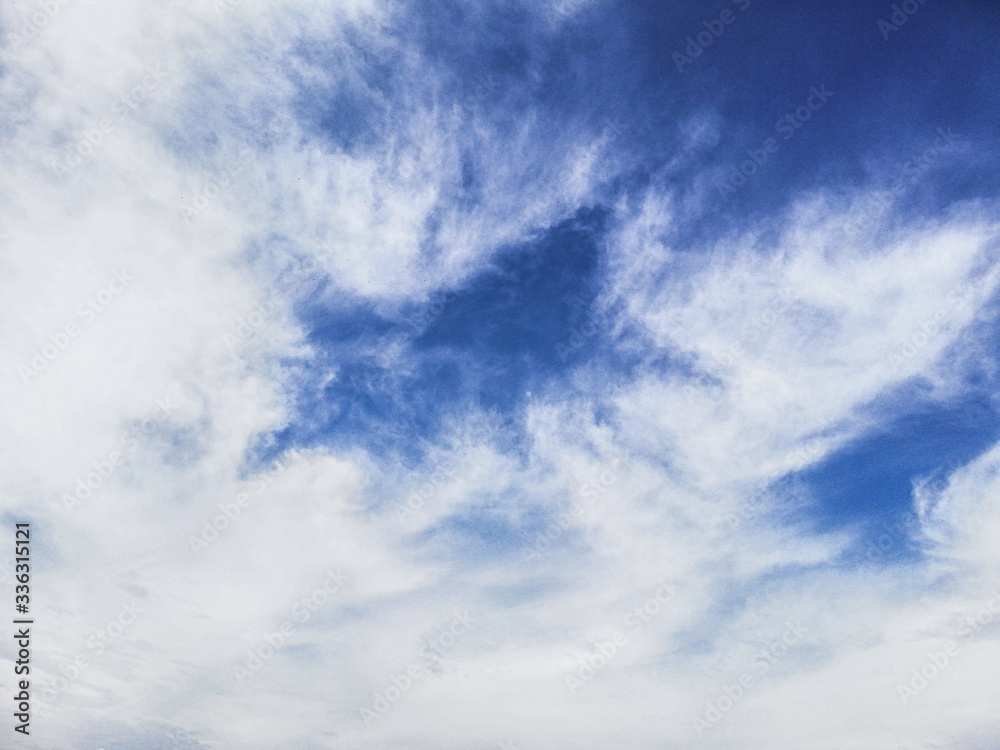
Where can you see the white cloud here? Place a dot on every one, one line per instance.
(649, 497)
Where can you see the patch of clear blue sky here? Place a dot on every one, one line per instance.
(867, 485)
(486, 346)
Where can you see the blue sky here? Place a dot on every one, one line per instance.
(563, 374)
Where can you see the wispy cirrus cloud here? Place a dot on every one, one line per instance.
(466, 276)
